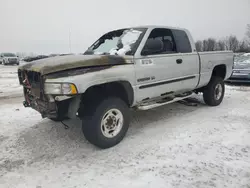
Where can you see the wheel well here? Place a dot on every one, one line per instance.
(219, 71)
(122, 89)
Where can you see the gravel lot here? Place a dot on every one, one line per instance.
(172, 146)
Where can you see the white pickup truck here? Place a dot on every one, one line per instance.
(139, 68)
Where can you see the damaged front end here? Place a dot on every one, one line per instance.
(45, 82)
(34, 94)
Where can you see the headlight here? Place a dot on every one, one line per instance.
(60, 88)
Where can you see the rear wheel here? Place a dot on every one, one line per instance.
(106, 122)
(213, 93)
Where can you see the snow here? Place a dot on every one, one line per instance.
(246, 54)
(172, 146)
(243, 59)
(128, 38)
(9, 86)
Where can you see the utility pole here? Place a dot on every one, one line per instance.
(69, 41)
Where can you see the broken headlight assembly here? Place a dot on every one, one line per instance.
(60, 88)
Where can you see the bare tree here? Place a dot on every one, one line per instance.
(198, 45)
(205, 45)
(248, 32)
(211, 44)
(229, 43)
(221, 45)
(233, 43)
(21, 54)
(243, 46)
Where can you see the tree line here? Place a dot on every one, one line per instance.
(228, 43)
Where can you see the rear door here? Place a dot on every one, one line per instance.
(190, 66)
(168, 71)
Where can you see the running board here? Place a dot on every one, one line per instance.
(154, 105)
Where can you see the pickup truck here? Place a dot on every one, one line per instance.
(139, 68)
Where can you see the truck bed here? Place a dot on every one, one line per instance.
(208, 60)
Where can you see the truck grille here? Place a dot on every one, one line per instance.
(33, 77)
(12, 60)
(31, 82)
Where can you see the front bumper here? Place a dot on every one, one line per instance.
(11, 62)
(34, 96)
(46, 109)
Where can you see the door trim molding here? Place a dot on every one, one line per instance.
(166, 82)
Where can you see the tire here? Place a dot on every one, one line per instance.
(213, 93)
(116, 112)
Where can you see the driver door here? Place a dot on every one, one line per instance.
(160, 73)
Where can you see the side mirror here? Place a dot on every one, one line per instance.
(152, 46)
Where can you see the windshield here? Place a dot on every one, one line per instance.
(118, 42)
(9, 55)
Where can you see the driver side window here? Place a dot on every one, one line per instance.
(164, 38)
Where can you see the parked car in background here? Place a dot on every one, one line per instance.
(9, 59)
(53, 55)
(241, 70)
(66, 54)
(29, 59)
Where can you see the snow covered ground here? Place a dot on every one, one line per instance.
(172, 146)
(9, 86)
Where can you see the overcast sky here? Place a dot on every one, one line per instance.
(42, 26)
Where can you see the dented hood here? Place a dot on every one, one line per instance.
(61, 63)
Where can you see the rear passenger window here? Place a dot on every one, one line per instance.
(182, 41)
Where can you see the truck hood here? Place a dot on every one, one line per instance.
(61, 63)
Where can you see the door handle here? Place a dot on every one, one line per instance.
(178, 61)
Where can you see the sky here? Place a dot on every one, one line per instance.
(63, 26)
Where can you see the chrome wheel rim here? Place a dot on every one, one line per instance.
(218, 91)
(112, 123)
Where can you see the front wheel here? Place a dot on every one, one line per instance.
(106, 123)
(213, 93)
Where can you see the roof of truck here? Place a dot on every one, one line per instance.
(159, 26)
(151, 27)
